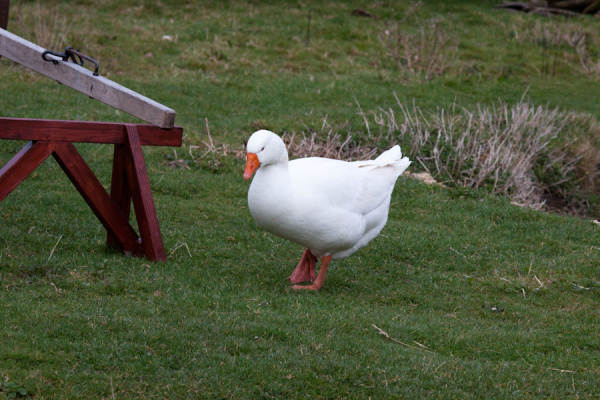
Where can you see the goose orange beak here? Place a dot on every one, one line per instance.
(252, 165)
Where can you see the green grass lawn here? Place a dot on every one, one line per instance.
(478, 298)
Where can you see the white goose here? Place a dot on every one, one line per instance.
(331, 207)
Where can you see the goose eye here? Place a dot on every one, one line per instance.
(262, 149)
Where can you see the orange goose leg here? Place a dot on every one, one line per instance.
(318, 283)
(305, 271)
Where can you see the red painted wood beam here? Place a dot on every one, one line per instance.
(4, 7)
(86, 132)
(119, 190)
(23, 164)
(96, 197)
(141, 194)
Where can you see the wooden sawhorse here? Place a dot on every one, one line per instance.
(129, 175)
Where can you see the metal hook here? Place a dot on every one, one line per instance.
(46, 52)
(70, 53)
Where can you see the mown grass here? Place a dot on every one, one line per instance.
(480, 299)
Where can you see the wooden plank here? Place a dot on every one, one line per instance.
(83, 131)
(119, 188)
(81, 79)
(141, 194)
(23, 164)
(96, 197)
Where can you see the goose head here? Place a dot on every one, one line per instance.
(264, 148)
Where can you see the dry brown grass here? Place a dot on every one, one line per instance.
(426, 52)
(328, 144)
(525, 152)
(43, 23)
(537, 156)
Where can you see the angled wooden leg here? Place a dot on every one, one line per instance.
(141, 194)
(96, 197)
(23, 164)
(119, 188)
